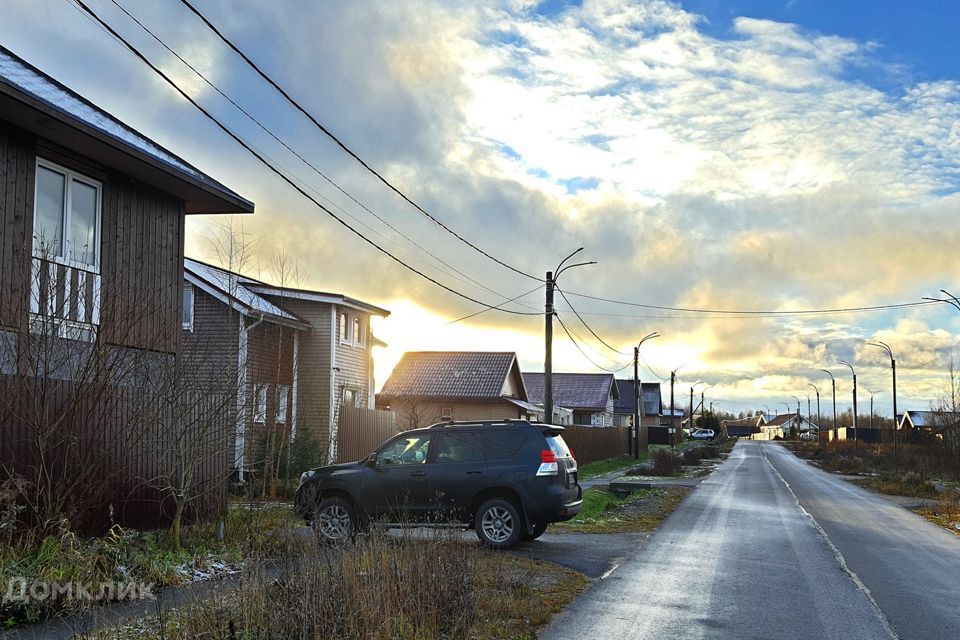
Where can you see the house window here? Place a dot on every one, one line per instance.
(358, 337)
(283, 398)
(188, 306)
(260, 404)
(344, 329)
(446, 412)
(66, 218)
(351, 398)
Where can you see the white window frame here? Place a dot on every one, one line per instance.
(63, 254)
(260, 404)
(187, 286)
(283, 403)
(356, 397)
(359, 334)
(345, 326)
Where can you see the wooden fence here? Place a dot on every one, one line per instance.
(361, 431)
(590, 444)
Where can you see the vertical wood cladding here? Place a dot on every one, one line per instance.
(142, 234)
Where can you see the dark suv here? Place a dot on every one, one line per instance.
(506, 479)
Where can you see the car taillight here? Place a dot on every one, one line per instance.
(571, 454)
(548, 463)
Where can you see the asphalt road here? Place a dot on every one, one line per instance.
(743, 558)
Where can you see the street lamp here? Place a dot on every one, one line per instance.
(638, 408)
(798, 413)
(551, 281)
(833, 385)
(872, 393)
(854, 374)
(893, 370)
(673, 380)
(815, 388)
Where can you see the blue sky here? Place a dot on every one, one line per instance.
(723, 155)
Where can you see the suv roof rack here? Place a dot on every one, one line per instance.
(478, 423)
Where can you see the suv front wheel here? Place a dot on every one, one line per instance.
(334, 521)
(498, 524)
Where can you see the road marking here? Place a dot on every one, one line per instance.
(836, 552)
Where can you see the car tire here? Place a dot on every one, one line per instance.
(334, 521)
(537, 532)
(498, 524)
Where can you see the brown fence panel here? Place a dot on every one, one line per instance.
(590, 444)
(361, 431)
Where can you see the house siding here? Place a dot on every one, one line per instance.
(431, 411)
(141, 242)
(314, 368)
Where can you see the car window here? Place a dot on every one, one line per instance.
(407, 450)
(458, 446)
(503, 444)
(558, 446)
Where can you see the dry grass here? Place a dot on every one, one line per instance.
(946, 513)
(390, 587)
(910, 484)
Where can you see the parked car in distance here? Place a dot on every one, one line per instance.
(703, 434)
(809, 435)
(505, 479)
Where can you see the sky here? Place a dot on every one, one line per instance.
(724, 156)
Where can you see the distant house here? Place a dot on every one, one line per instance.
(591, 396)
(743, 427)
(293, 357)
(92, 217)
(430, 386)
(919, 423)
(624, 406)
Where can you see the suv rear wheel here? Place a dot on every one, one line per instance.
(498, 523)
(334, 521)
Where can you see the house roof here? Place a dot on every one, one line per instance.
(931, 418)
(253, 297)
(32, 100)
(461, 375)
(749, 421)
(651, 397)
(574, 390)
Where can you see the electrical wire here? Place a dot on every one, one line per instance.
(347, 149)
(584, 353)
(476, 313)
(758, 312)
(280, 173)
(588, 328)
(320, 173)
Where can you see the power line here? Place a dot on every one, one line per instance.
(584, 353)
(476, 313)
(757, 312)
(345, 148)
(584, 323)
(281, 174)
(320, 173)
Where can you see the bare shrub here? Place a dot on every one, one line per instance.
(665, 462)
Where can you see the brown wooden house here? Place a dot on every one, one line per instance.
(91, 263)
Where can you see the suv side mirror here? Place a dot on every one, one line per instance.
(372, 460)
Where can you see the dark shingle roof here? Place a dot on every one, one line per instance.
(651, 397)
(451, 374)
(573, 390)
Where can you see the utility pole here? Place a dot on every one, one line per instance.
(673, 436)
(893, 370)
(855, 435)
(690, 418)
(633, 435)
(549, 311)
(548, 350)
(819, 417)
(833, 386)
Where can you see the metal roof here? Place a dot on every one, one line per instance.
(34, 101)
(574, 390)
(465, 375)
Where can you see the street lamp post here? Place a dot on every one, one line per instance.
(798, 413)
(833, 386)
(551, 282)
(856, 436)
(817, 390)
(639, 411)
(893, 371)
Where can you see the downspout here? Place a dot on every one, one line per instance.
(331, 427)
(242, 395)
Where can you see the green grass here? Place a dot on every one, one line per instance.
(605, 512)
(601, 467)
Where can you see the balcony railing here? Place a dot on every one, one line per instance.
(61, 292)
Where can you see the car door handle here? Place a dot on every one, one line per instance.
(418, 473)
(474, 473)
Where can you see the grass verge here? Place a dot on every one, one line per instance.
(641, 511)
(609, 465)
(381, 587)
(908, 484)
(945, 514)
